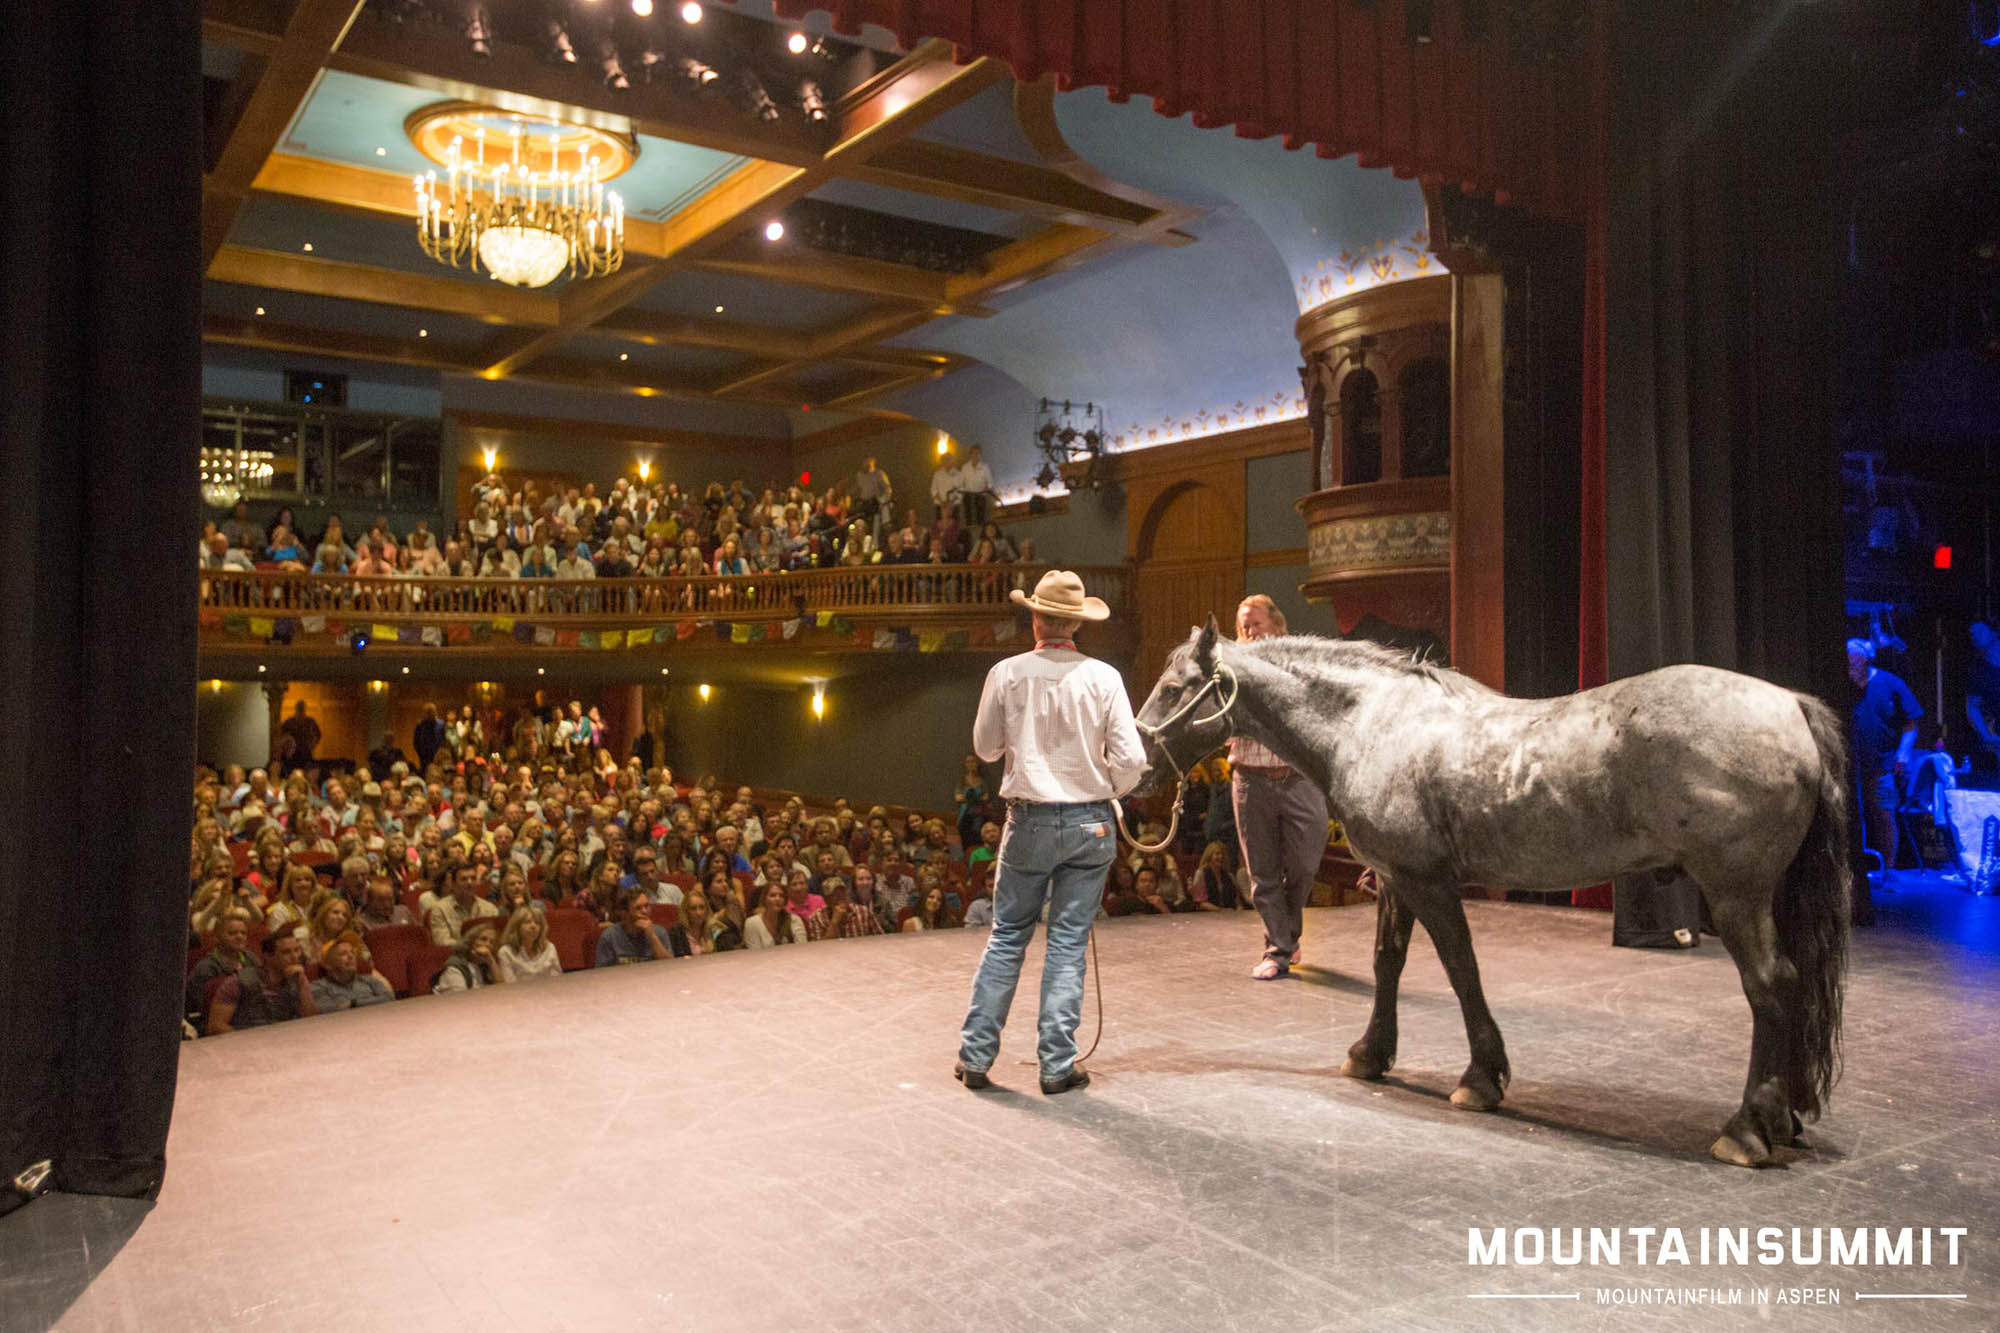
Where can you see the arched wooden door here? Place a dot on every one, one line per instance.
(1188, 542)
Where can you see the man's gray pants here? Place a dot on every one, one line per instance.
(1281, 823)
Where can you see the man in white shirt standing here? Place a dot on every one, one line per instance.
(1280, 820)
(944, 488)
(1065, 727)
(975, 491)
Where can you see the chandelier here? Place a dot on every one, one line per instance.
(226, 474)
(526, 212)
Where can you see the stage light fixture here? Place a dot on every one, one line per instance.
(357, 641)
(774, 230)
(478, 30)
(750, 91)
(812, 101)
(796, 43)
(690, 12)
(643, 8)
(556, 48)
(697, 73)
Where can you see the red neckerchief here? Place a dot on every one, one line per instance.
(1055, 643)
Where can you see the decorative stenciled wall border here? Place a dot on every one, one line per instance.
(1380, 542)
(1373, 265)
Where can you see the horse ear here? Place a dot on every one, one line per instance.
(1204, 645)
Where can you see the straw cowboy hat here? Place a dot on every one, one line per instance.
(1060, 594)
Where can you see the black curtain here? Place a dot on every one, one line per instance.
(100, 395)
(1723, 285)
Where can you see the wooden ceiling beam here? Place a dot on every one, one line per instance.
(491, 302)
(655, 328)
(291, 68)
(919, 87)
(269, 335)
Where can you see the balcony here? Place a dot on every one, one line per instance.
(954, 608)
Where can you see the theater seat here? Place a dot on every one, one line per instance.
(666, 914)
(574, 933)
(680, 879)
(239, 852)
(425, 964)
(392, 947)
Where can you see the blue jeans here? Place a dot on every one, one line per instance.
(1053, 854)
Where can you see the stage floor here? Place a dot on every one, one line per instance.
(775, 1142)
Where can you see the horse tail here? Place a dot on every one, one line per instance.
(1811, 910)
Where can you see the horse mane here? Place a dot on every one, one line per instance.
(1304, 652)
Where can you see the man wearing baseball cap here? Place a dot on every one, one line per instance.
(1065, 727)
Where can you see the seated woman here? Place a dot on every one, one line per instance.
(1217, 888)
(472, 965)
(701, 929)
(1121, 891)
(267, 868)
(931, 912)
(565, 881)
(333, 918)
(285, 551)
(774, 923)
(525, 951)
(295, 904)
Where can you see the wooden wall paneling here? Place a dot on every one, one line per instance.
(1478, 480)
(1185, 532)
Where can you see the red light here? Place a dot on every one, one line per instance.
(1941, 558)
(805, 478)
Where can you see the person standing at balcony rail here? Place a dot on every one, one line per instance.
(1064, 726)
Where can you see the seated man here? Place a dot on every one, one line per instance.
(226, 959)
(340, 985)
(729, 841)
(634, 939)
(275, 990)
(645, 877)
(826, 837)
(449, 915)
(845, 917)
(988, 848)
(379, 907)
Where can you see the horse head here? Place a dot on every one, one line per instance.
(1186, 716)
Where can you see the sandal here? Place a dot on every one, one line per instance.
(1269, 970)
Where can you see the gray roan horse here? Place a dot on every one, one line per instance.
(1439, 781)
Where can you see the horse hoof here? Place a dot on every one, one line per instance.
(1468, 1098)
(1370, 1070)
(1732, 1151)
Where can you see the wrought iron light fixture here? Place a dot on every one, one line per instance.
(1068, 436)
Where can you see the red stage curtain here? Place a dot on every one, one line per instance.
(1491, 113)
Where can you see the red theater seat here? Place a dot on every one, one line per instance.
(392, 948)
(574, 933)
(425, 964)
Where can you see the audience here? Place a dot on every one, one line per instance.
(513, 816)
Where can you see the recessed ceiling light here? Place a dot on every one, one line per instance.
(260, 310)
(406, 671)
(308, 247)
(624, 356)
(381, 151)
(643, 8)
(718, 310)
(423, 333)
(774, 230)
(690, 12)
(260, 668)
(796, 43)
(541, 671)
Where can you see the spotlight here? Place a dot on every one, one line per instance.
(750, 89)
(478, 30)
(643, 8)
(690, 12)
(556, 48)
(696, 73)
(796, 43)
(811, 100)
(774, 230)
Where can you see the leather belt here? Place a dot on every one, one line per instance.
(1264, 771)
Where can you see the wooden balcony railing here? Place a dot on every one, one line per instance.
(902, 592)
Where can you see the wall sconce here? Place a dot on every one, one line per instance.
(819, 702)
(943, 444)
(702, 690)
(215, 687)
(645, 469)
(490, 455)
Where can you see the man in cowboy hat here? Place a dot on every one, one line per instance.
(1065, 727)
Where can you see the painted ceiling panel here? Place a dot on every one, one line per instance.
(985, 124)
(287, 226)
(446, 332)
(694, 364)
(751, 301)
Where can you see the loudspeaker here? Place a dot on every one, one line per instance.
(1648, 912)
